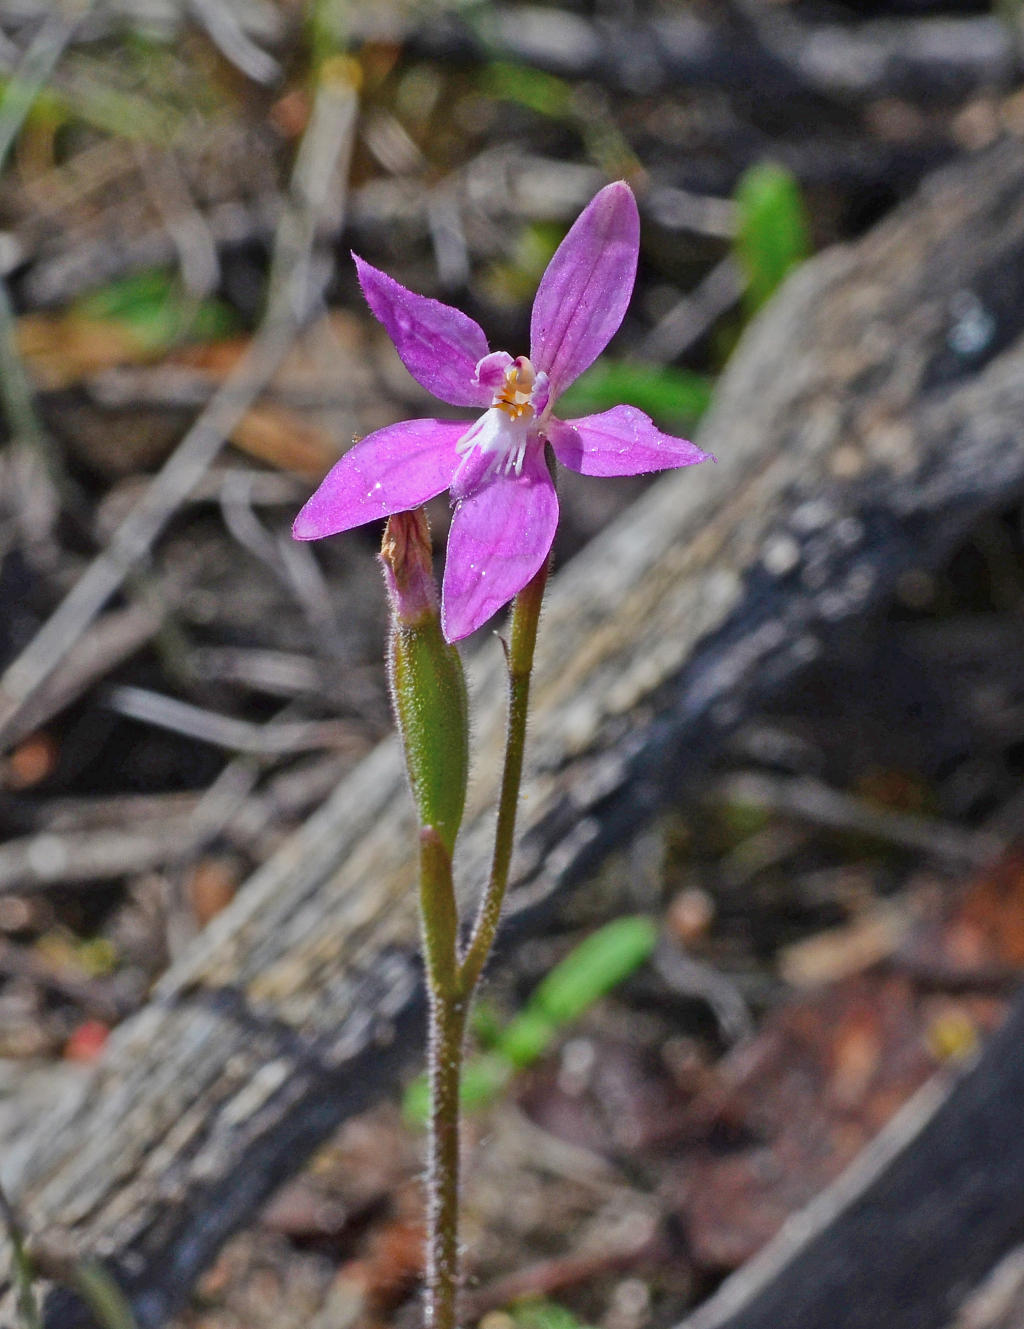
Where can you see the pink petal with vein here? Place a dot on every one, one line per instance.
(584, 294)
(499, 538)
(622, 441)
(394, 470)
(440, 346)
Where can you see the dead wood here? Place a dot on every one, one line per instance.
(869, 415)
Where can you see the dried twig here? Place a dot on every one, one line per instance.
(695, 314)
(451, 251)
(547, 1276)
(813, 801)
(28, 79)
(682, 210)
(697, 978)
(234, 44)
(76, 858)
(288, 793)
(185, 224)
(80, 841)
(112, 639)
(50, 860)
(223, 731)
(294, 564)
(34, 69)
(358, 688)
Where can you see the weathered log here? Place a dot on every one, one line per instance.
(869, 415)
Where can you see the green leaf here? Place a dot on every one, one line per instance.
(110, 1307)
(540, 92)
(485, 1023)
(598, 964)
(528, 1037)
(416, 1102)
(153, 307)
(24, 1273)
(483, 1079)
(514, 282)
(539, 1313)
(672, 397)
(773, 233)
(128, 297)
(588, 972)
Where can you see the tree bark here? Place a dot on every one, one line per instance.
(872, 411)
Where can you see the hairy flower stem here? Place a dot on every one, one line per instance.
(448, 1010)
(447, 1031)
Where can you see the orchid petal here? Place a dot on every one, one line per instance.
(584, 294)
(622, 441)
(490, 372)
(393, 470)
(500, 536)
(440, 346)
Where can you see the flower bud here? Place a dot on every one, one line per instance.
(409, 568)
(428, 687)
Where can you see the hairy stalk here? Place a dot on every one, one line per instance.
(522, 640)
(447, 1032)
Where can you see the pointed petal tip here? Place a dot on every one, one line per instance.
(439, 345)
(454, 632)
(302, 527)
(316, 520)
(621, 191)
(622, 441)
(583, 296)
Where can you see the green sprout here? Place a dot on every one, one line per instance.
(591, 970)
(773, 231)
(152, 306)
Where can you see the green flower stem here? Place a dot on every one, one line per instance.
(523, 639)
(447, 1034)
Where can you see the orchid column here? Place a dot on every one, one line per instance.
(503, 525)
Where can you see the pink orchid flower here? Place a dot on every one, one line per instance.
(505, 506)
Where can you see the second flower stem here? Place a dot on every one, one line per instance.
(522, 641)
